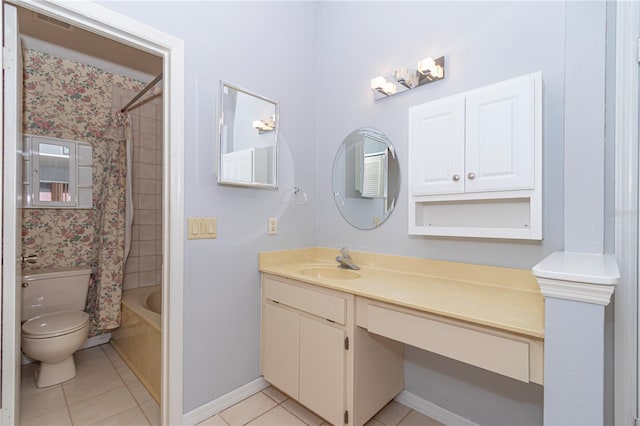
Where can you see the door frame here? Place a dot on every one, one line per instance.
(11, 218)
(627, 361)
(121, 28)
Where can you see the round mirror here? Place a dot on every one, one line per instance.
(366, 178)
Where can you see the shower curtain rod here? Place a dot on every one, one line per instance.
(142, 92)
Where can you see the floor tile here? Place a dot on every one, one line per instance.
(90, 386)
(247, 410)
(90, 364)
(28, 383)
(392, 414)
(302, 413)
(127, 375)
(151, 410)
(373, 422)
(132, 417)
(416, 419)
(275, 394)
(277, 416)
(116, 361)
(38, 404)
(139, 392)
(102, 406)
(88, 354)
(213, 421)
(55, 417)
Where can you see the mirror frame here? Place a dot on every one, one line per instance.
(276, 105)
(395, 191)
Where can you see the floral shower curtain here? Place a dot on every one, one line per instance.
(112, 226)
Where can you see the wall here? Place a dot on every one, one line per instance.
(318, 61)
(483, 42)
(270, 49)
(144, 264)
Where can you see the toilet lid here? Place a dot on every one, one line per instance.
(55, 323)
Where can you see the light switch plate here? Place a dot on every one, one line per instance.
(202, 228)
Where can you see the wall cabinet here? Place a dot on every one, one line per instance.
(475, 162)
(313, 352)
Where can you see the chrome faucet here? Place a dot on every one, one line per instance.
(345, 260)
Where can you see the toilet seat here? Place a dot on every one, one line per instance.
(54, 324)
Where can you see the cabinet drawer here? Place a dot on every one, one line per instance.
(314, 302)
(491, 352)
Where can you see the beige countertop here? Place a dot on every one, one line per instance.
(503, 298)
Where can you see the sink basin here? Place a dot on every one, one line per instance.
(330, 273)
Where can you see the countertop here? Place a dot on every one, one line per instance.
(503, 298)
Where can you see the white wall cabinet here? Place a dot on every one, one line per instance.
(475, 162)
(313, 352)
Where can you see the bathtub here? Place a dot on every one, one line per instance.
(138, 340)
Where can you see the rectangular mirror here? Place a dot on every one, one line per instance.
(247, 138)
(57, 173)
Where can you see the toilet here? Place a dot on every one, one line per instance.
(54, 324)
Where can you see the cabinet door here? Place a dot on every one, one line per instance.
(280, 352)
(500, 136)
(322, 369)
(436, 147)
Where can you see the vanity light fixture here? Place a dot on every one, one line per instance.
(265, 125)
(427, 71)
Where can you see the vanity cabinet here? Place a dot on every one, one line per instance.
(313, 352)
(475, 162)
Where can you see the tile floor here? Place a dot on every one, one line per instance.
(272, 408)
(106, 392)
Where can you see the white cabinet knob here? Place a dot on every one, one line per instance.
(455, 178)
(471, 176)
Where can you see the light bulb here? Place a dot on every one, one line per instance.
(426, 66)
(389, 88)
(378, 83)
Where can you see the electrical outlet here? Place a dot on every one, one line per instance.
(273, 226)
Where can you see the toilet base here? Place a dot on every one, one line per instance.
(49, 374)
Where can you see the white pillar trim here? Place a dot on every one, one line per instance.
(579, 292)
(627, 397)
(581, 277)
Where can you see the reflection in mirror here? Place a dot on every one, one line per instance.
(366, 178)
(248, 136)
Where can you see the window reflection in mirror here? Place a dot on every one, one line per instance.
(54, 172)
(248, 134)
(366, 178)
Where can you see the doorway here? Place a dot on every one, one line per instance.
(111, 28)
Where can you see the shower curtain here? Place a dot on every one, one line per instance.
(113, 218)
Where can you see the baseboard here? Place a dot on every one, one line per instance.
(212, 408)
(98, 340)
(432, 410)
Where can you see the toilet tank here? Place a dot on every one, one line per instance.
(52, 290)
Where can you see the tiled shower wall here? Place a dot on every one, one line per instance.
(144, 264)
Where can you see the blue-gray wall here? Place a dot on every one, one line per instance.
(268, 48)
(317, 59)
